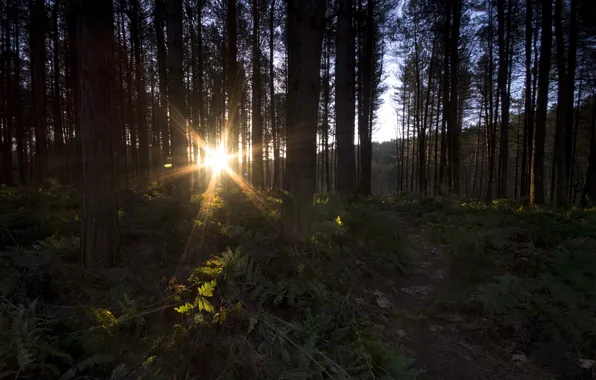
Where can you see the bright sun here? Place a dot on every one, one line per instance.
(217, 159)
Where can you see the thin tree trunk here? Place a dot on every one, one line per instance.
(274, 126)
(537, 174)
(502, 79)
(326, 100)
(455, 126)
(162, 119)
(570, 89)
(123, 146)
(38, 80)
(446, 108)
(6, 108)
(258, 179)
(200, 92)
(529, 111)
(177, 105)
(232, 87)
(404, 157)
(437, 134)
(60, 161)
(136, 35)
(573, 184)
(20, 128)
(364, 125)
(560, 178)
(589, 190)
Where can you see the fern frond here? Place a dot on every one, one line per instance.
(93, 361)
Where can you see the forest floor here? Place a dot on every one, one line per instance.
(387, 288)
(442, 341)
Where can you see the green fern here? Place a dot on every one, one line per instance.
(91, 362)
(26, 342)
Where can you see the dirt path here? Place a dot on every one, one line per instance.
(442, 344)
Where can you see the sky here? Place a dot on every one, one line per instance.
(386, 117)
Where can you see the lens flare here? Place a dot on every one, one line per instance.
(216, 160)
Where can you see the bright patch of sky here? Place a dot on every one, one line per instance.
(386, 124)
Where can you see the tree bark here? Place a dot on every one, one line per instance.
(20, 128)
(446, 109)
(6, 98)
(95, 66)
(537, 174)
(233, 90)
(455, 125)
(529, 111)
(258, 179)
(560, 175)
(589, 190)
(325, 164)
(306, 25)
(136, 35)
(365, 71)
(163, 81)
(274, 126)
(344, 100)
(502, 79)
(38, 83)
(59, 158)
(181, 181)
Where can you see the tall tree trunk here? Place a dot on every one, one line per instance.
(537, 174)
(589, 190)
(258, 180)
(274, 126)
(344, 100)
(20, 128)
(404, 157)
(325, 122)
(59, 159)
(455, 125)
(306, 22)
(477, 150)
(129, 113)
(437, 137)
(6, 95)
(502, 79)
(136, 34)
(121, 156)
(181, 181)
(160, 10)
(38, 81)
(407, 147)
(573, 180)
(422, 184)
(529, 111)
(193, 96)
(95, 65)
(446, 108)
(202, 128)
(490, 123)
(73, 84)
(560, 178)
(570, 88)
(233, 90)
(365, 70)
(155, 149)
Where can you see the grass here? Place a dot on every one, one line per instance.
(523, 275)
(205, 289)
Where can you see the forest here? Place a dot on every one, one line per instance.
(196, 189)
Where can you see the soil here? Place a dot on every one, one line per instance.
(443, 345)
